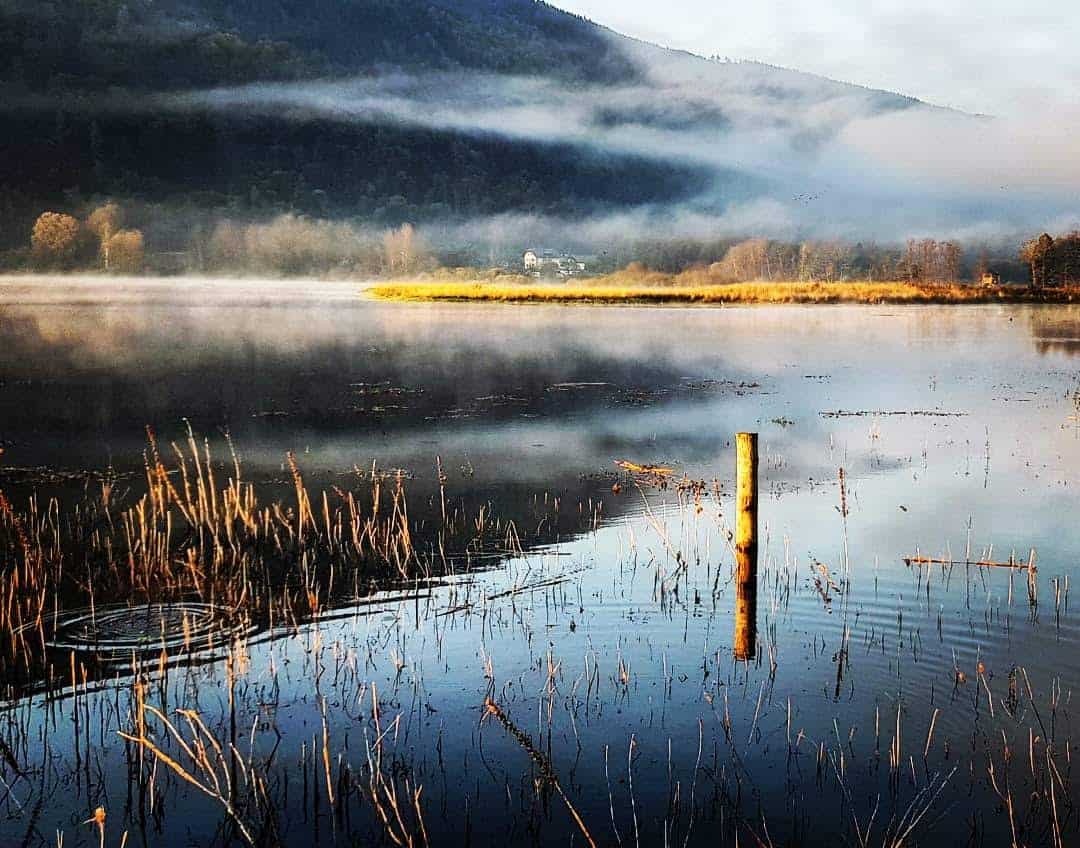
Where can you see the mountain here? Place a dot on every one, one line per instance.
(386, 111)
(171, 44)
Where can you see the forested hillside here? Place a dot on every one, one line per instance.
(89, 45)
(248, 109)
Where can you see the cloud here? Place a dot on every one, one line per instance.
(953, 151)
(512, 230)
(979, 55)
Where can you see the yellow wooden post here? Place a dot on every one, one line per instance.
(746, 493)
(745, 642)
(746, 550)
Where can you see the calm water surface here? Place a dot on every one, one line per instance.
(958, 432)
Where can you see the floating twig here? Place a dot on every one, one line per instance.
(984, 563)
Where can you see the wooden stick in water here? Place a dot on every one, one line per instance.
(985, 563)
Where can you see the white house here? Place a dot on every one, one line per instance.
(559, 264)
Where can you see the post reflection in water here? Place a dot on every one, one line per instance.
(745, 641)
(525, 410)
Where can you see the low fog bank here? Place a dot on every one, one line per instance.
(767, 153)
(791, 155)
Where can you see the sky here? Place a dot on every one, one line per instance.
(985, 56)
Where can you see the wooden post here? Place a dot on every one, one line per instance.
(746, 493)
(746, 550)
(745, 642)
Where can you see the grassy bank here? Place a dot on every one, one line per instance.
(599, 291)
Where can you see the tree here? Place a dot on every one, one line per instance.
(127, 251)
(931, 261)
(402, 249)
(55, 238)
(982, 266)
(753, 259)
(294, 245)
(951, 258)
(105, 222)
(1066, 259)
(828, 261)
(1036, 253)
(227, 248)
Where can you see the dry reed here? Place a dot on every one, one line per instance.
(668, 290)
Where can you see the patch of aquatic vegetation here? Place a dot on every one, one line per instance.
(886, 413)
(668, 290)
(202, 556)
(390, 723)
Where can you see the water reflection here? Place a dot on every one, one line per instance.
(746, 592)
(619, 631)
(191, 585)
(1056, 332)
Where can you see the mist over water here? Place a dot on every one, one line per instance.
(287, 562)
(955, 428)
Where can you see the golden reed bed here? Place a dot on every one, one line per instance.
(598, 291)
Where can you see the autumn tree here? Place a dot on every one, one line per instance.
(827, 261)
(756, 259)
(1065, 260)
(402, 249)
(746, 260)
(291, 245)
(55, 238)
(950, 257)
(227, 248)
(105, 222)
(931, 261)
(1037, 253)
(127, 251)
(288, 245)
(1053, 261)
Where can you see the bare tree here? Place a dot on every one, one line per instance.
(402, 249)
(105, 222)
(127, 250)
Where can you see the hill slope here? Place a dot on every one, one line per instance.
(171, 44)
(385, 111)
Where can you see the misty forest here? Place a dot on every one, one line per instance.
(490, 128)
(467, 422)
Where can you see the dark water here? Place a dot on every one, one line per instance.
(958, 432)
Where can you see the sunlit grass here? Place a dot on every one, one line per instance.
(610, 290)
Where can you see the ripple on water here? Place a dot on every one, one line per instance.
(121, 629)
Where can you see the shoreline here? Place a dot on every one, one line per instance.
(600, 291)
(208, 291)
(767, 293)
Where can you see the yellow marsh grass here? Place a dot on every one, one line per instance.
(599, 291)
(200, 531)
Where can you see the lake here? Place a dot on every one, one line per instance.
(566, 670)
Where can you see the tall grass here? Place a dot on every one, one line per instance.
(665, 289)
(195, 536)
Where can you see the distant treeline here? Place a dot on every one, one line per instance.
(104, 238)
(730, 261)
(251, 167)
(61, 241)
(89, 109)
(138, 237)
(1053, 262)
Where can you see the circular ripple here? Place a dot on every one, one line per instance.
(121, 629)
